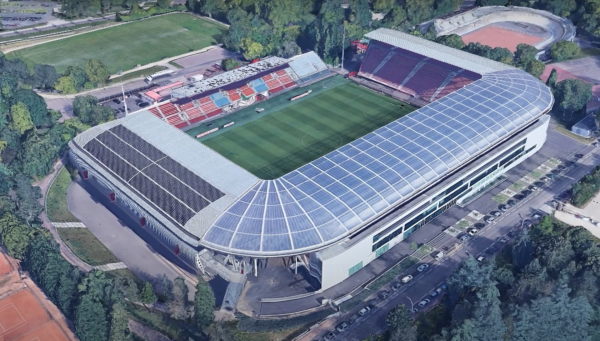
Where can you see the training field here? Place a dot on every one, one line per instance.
(125, 46)
(292, 134)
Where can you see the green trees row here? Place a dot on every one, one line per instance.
(93, 74)
(586, 188)
(542, 287)
(281, 27)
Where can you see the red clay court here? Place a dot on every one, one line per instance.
(495, 36)
(21, 316)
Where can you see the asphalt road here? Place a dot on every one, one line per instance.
(486, 242)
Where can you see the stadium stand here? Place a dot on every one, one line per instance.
(412, 73)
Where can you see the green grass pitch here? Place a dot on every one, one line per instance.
(127, 45)
(293, 134)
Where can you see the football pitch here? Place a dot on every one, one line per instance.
(125, 46)
(293, 134)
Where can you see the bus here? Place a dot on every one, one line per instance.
(158, 74)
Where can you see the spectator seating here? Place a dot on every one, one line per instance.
(155, 112)
(412, 73)
(168, 109)
(187, 106)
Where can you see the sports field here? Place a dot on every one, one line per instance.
(125, 46)
(291, 134)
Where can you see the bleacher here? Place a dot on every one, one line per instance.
(412, 73)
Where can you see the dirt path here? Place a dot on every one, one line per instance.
(44, 185)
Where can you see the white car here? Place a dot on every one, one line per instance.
(473, 231)
(364, 310)
(480, 259)
(407, 279)
(424, 302)
(422, 267)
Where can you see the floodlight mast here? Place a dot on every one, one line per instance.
(124, 99)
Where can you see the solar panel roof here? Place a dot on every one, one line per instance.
(333, 196)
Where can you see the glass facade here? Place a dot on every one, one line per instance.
(333, 196)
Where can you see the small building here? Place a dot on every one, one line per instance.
(586, 127)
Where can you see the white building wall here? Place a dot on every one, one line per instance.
(336, 266)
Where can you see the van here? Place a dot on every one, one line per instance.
(439, 255)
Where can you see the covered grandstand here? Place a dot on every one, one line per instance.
(349, 206)
(194, 103)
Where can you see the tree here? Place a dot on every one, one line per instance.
(96, 72)
(419, 11)
(204, 305)
(90, 320)
(446, 6)
(400, 324)
(66, 295)
(383, 6)
(178, 306)
(572, 94)
(147, 295)
(362, 12)
(167, 287)
(395, 17)
(15, 235)
(77, 75)
(229, 64)
(251, 49)
(563, 50)
(211, 8)
(44, 76)
(97, 287)
(551, 81)
(86, 108)
(452, 40)
(289, 49)
(163, 3)
(27, 199)
(21, 119)
(35, 105)
(16, 68)
(522, 250)
(119, 330)
(66, 85)
(535, 68)
(524, 54)
(38, 155)
(484, 3)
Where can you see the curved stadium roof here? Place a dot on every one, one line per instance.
(333, 196)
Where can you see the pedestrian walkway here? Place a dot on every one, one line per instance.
(111, 266)
(77, 224)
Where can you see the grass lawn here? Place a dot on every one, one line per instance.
(464, 223)
(125, 46)
(56, 200)
(500, 198)
(295, 133)
(568, 133)
(57, 30)
(86, 246)
(536, 174)
(517, 187)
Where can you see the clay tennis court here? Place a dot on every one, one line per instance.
(47, 332)
(22, 313)
(495, 36)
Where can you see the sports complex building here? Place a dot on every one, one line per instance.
(338, 211)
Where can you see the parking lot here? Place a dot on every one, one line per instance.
(17, 14)
(485, 235)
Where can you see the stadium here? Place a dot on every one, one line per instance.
(373, 170)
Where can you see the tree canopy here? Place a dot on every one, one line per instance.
(204, 304)
(563, 50)
(572, 94)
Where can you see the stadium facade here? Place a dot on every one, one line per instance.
(343, 210)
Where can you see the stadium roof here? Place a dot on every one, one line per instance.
(228, 77)
(334, 196)
(452, 56)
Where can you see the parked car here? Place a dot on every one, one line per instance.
(578, 156)
(503, 208)
(407, 279)
(424, 302)
(489, 219)
(496, 213)
(329, 336)
(537, 216)
(472, 232)
(396, 286)
(504, 239)
(433, 294)
(415, 311)
(143, 104)
(422, 267)
(384, 294)
(373, 303)
(353, 318)
(480, 259)
(464, 238)
(341, 327)
(444, 286)
(364, 310)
